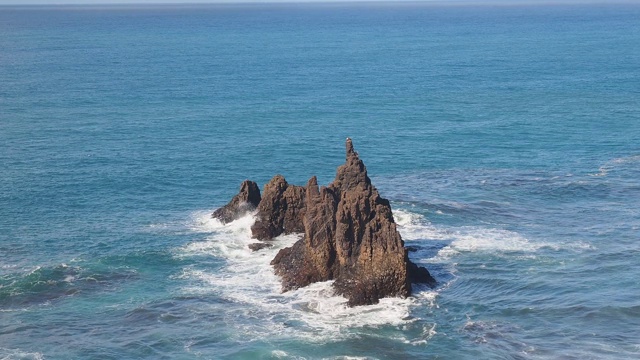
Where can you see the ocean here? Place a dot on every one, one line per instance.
(504, 136)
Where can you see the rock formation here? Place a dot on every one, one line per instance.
(246, 200)
(259, 246)
(349, 236)
(281, 210)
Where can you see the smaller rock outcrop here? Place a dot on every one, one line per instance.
(259, 246)
(245, 201)
(281, 210)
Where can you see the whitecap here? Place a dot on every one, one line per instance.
(616, 163)
(478, 239)
(466, 239)
(279, 354)
(414, 226)
(13, 354)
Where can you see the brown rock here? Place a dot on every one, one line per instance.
(259, 246)
(350, 236)
(245, 201)
(281, 210)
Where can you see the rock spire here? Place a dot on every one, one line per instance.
(349, 236)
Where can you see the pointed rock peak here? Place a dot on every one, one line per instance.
(350, 150)
(277, 183)
(352, 154)
(251, 190)
(312, 187)
(278, 179)
(313, 181)
(353, 172)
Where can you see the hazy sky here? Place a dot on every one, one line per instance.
(179, 1)
(28, 2)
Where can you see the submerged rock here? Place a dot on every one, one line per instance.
(259, 246)
(245, 201)
(349, 234)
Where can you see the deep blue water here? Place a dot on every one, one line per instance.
(506, 138)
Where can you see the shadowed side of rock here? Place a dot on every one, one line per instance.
(280, 211)
(245, 201)
(311, 259)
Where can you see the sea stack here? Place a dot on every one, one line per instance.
(349, 236)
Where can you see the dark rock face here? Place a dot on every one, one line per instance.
(281, 210)
(245, 201)
(350, 236)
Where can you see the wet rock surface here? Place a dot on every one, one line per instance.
(245, 201)
(259, 246)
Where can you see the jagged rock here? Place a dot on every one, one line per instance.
(259, 246)
(245, 201)
(281, 210)
(349, 236)
(419, 275)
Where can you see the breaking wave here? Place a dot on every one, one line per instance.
(416, 230)
(617, 164)
(246, 278)
(250, 297)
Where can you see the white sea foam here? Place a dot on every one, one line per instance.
(247, 278)
(615, 163)
(476, 239)
(314, 312)
(203, 222)
(13, 354)
(226, 240)
(471, 239)
(413, 226)
(279, 354)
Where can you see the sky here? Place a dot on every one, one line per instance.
(24, 2)
(89, 2)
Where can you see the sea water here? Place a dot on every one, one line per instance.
(505, 137)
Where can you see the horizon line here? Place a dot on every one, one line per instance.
(90, 3)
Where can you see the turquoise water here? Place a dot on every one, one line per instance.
(506, 139)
